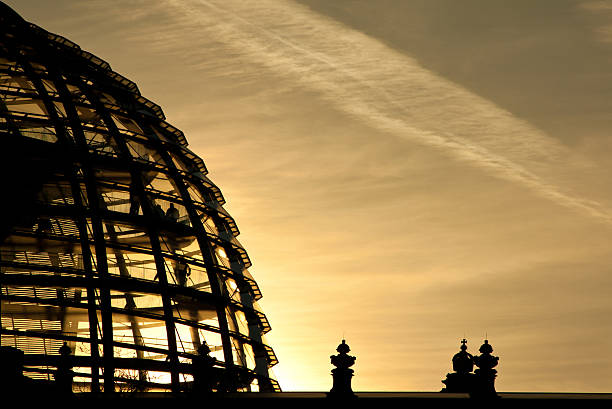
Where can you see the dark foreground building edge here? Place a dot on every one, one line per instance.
(121, 277)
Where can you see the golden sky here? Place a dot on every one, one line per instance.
(403, 173)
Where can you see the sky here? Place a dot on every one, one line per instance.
(404, 174)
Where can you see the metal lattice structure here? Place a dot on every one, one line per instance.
(113, 238)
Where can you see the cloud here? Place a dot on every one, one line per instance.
(603, 10)
(597, 5)
(386, 89)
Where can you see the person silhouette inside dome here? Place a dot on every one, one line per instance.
(172, 213)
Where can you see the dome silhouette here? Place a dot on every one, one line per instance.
(113, 239)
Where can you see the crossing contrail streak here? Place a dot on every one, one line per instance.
(386, 89)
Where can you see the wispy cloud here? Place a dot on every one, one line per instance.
(601, 9)
(597, 5)
(388, 90)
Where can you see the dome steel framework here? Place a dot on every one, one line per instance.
(113, 240)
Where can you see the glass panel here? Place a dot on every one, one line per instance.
(135, 265)
(58, 192)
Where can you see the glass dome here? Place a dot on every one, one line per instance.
(113, 240)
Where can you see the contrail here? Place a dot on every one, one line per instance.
(386, 89)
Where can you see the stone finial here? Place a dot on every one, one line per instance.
(462, 379)
(463, 362)
(486, 361)
(342, 374)
(485, 374)
(343, 360)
